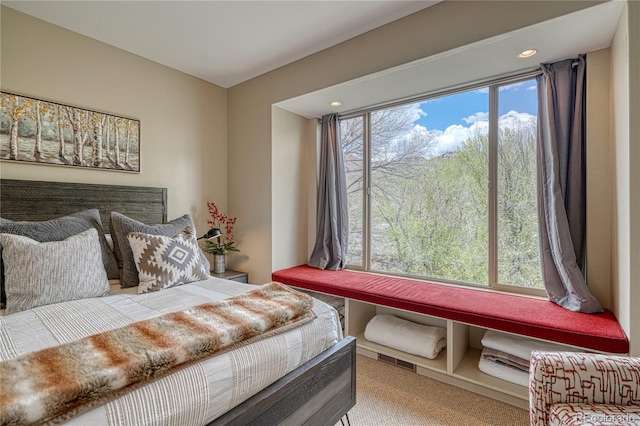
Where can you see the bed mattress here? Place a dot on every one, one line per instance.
(194, 395)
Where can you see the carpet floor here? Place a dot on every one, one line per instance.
(388, 395)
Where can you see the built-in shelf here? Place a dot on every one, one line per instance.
(456, 364)
(468, 370)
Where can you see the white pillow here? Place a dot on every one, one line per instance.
(39, 274)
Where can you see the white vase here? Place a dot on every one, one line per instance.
(218, 264)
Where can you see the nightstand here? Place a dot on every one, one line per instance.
(230, 274)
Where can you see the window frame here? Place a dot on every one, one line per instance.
(493, 86)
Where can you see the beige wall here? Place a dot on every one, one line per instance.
(290, 162)
(625, 69)
(439, 28)
(183, 120)
(598, 240)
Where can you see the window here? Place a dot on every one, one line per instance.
(420, 199)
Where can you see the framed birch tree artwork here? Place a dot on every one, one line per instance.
(44, 132)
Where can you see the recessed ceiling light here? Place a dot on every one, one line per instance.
(335, 103)
(527, 53)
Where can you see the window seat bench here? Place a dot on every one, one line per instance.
(466, 314)
(526, 316)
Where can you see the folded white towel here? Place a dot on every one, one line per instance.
(503, 372)
(406, 336)
(519, 346)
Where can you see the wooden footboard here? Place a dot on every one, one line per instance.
(319, 392)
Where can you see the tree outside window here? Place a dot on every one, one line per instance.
(419, 187)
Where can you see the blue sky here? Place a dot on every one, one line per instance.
(453, 109)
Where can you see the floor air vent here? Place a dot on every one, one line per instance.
(400, 363)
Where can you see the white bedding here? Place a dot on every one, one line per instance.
(194, 395)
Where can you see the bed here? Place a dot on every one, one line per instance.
(304, 375)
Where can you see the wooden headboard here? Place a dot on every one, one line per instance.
(37, 200)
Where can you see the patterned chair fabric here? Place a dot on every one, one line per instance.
(587, 385)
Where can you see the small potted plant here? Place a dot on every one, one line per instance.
(219, 241)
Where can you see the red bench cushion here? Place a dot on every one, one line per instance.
(522, 315)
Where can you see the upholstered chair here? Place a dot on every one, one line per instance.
(570, 388)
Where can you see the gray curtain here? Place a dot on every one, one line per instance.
(562, 183)
(332, 223)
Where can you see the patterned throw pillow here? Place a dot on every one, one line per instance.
(57, 230)
(164, 262)
(121, 226)
(39, 274)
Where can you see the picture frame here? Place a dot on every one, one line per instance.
(39, 131)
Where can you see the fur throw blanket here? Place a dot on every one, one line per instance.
(58, 383)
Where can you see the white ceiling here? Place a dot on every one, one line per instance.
(223, 42)
(228, 42)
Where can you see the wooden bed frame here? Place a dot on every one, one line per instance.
(320, 392)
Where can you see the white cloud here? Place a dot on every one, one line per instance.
(478, 116)
(413, 111)
(453, 136)
(450, 139)
(514, 119)
(438, 142)
(419, 132)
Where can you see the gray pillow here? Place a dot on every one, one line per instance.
(120, 226)
(39, 274)
(165, 262)
(57, 230)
